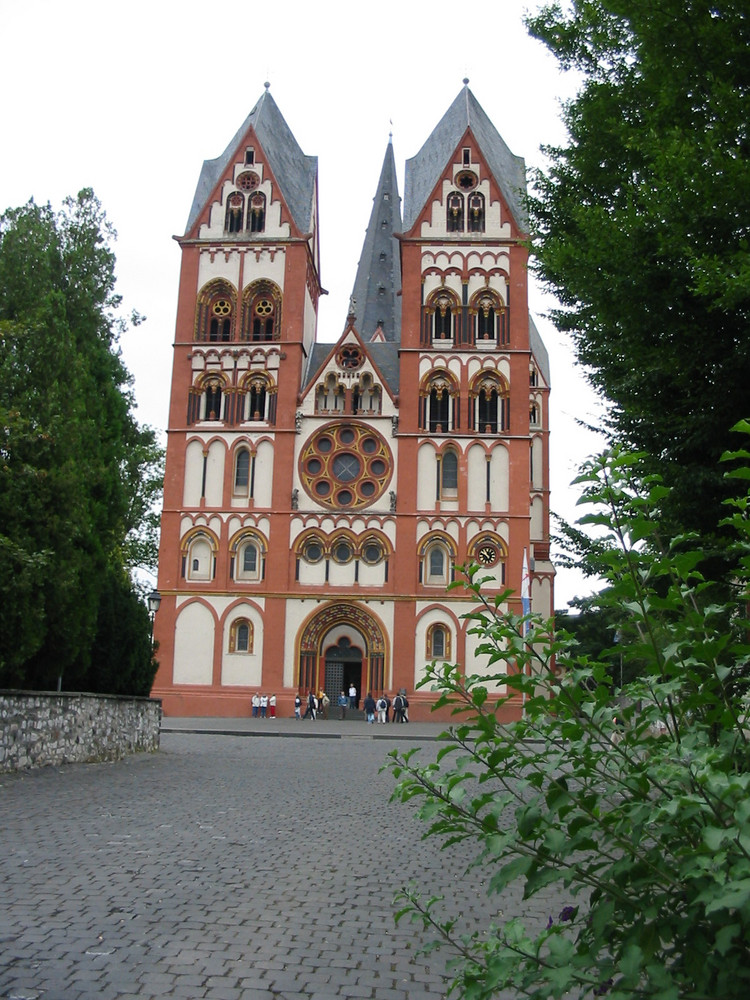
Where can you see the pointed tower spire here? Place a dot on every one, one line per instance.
(378, 280)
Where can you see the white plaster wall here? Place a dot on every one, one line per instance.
(264, 474)
(538, 463)
(193, 645)
(426, 473)
(264, 265)
(242, 668)
(215, 474)
(434, 615)
(536, 518)
(224, 265)
(477, 465)
(191, 495)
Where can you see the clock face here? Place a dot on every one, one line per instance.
(487, 554)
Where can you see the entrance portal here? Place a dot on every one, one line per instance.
(343, 667)
(339, 645)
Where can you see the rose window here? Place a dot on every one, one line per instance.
(345, 465)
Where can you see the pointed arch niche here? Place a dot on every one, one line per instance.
(325, 630)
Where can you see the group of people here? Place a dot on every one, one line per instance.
(264, 706)
(317, 706)
(382, 708)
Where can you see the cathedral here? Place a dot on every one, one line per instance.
(319, 498)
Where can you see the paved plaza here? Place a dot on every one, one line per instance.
(226, 867)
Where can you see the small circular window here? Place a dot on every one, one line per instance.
(342, 552)
(248, 180)
(313, 551)
(372, 553)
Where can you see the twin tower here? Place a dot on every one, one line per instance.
(320, 497)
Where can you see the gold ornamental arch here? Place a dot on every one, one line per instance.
(319, 625)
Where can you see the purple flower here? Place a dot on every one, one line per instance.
(567, 913)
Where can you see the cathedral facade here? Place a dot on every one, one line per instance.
(320, 497)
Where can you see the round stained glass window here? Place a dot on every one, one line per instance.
(342, 552)
(346, 465)
(313, 552)
(372, 553)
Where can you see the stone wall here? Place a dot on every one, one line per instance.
(40, 728)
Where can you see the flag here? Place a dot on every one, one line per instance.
(525, 591)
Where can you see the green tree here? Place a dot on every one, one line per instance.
(640, 226)
(74, 461)
(643, 827)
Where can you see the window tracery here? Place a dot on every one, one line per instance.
(214, 315)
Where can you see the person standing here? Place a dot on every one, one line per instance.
(343, 704)
(263, 705)
(272, 706)
(324, 701)
(369, 707)
(382, 707)
(297, 706)
(255, 704)
(352, 696)
(311, 704)
(398, 708)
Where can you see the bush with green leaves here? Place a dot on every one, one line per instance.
(632, 808)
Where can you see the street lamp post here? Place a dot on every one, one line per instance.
(154, 600)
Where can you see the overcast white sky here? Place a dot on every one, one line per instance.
(130, 99)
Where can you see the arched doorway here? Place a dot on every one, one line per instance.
(342, 644)
(343, 668)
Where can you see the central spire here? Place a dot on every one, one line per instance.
(378, 281)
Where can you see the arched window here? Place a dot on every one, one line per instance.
(330, 396)
(256, 213)
(438, 401)
(212, 392)
(214, 318)
(488, 312)
(261, 320)
(257, 398)
(438, 645)
(241, 636)
(198, 561)
(454, 220)
(247, 562)
(242, 473)
(443, 320)
(534, 415)
(448, 475)
(235, 212)
(366, 395)
(491, 405)
(476, 212)
(436, 567)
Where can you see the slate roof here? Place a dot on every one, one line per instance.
(425, 169)
(294, 171)
(378, 280)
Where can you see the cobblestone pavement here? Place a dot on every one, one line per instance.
(222, 867)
